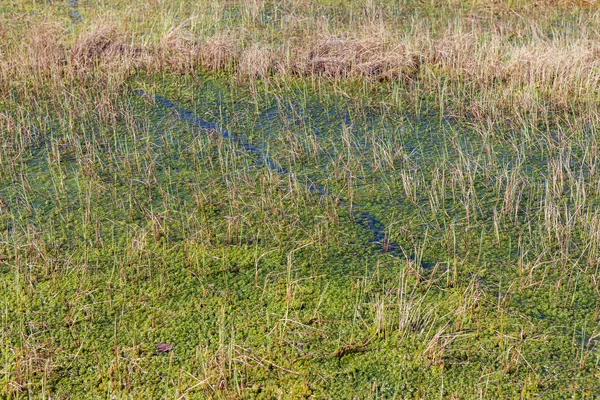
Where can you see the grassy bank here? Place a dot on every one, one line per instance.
(299, 199)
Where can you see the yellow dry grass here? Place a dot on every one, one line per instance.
(492, 59)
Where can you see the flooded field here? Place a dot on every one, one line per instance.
(180, 230)
(287, 237)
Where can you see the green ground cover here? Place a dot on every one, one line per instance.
(298, 235)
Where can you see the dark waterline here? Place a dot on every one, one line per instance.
(363, 218)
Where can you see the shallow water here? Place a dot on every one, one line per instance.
(76, 17)
(195, 208)
(327, 133)
(363, 218)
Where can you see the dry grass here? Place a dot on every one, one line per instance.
(218, 52)
(104, 46)
(340, 57)
(487, 63)
(43, 49)
(255, 62)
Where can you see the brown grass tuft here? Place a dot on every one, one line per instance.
(339, 58)
(177, 51)
(336, 57)
(102, 45)
(255, 62)
(44, 49)
(218, 52)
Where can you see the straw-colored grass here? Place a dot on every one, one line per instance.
(487, 60)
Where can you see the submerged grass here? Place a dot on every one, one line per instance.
(299, 199)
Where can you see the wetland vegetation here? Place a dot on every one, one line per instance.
(299, 199)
